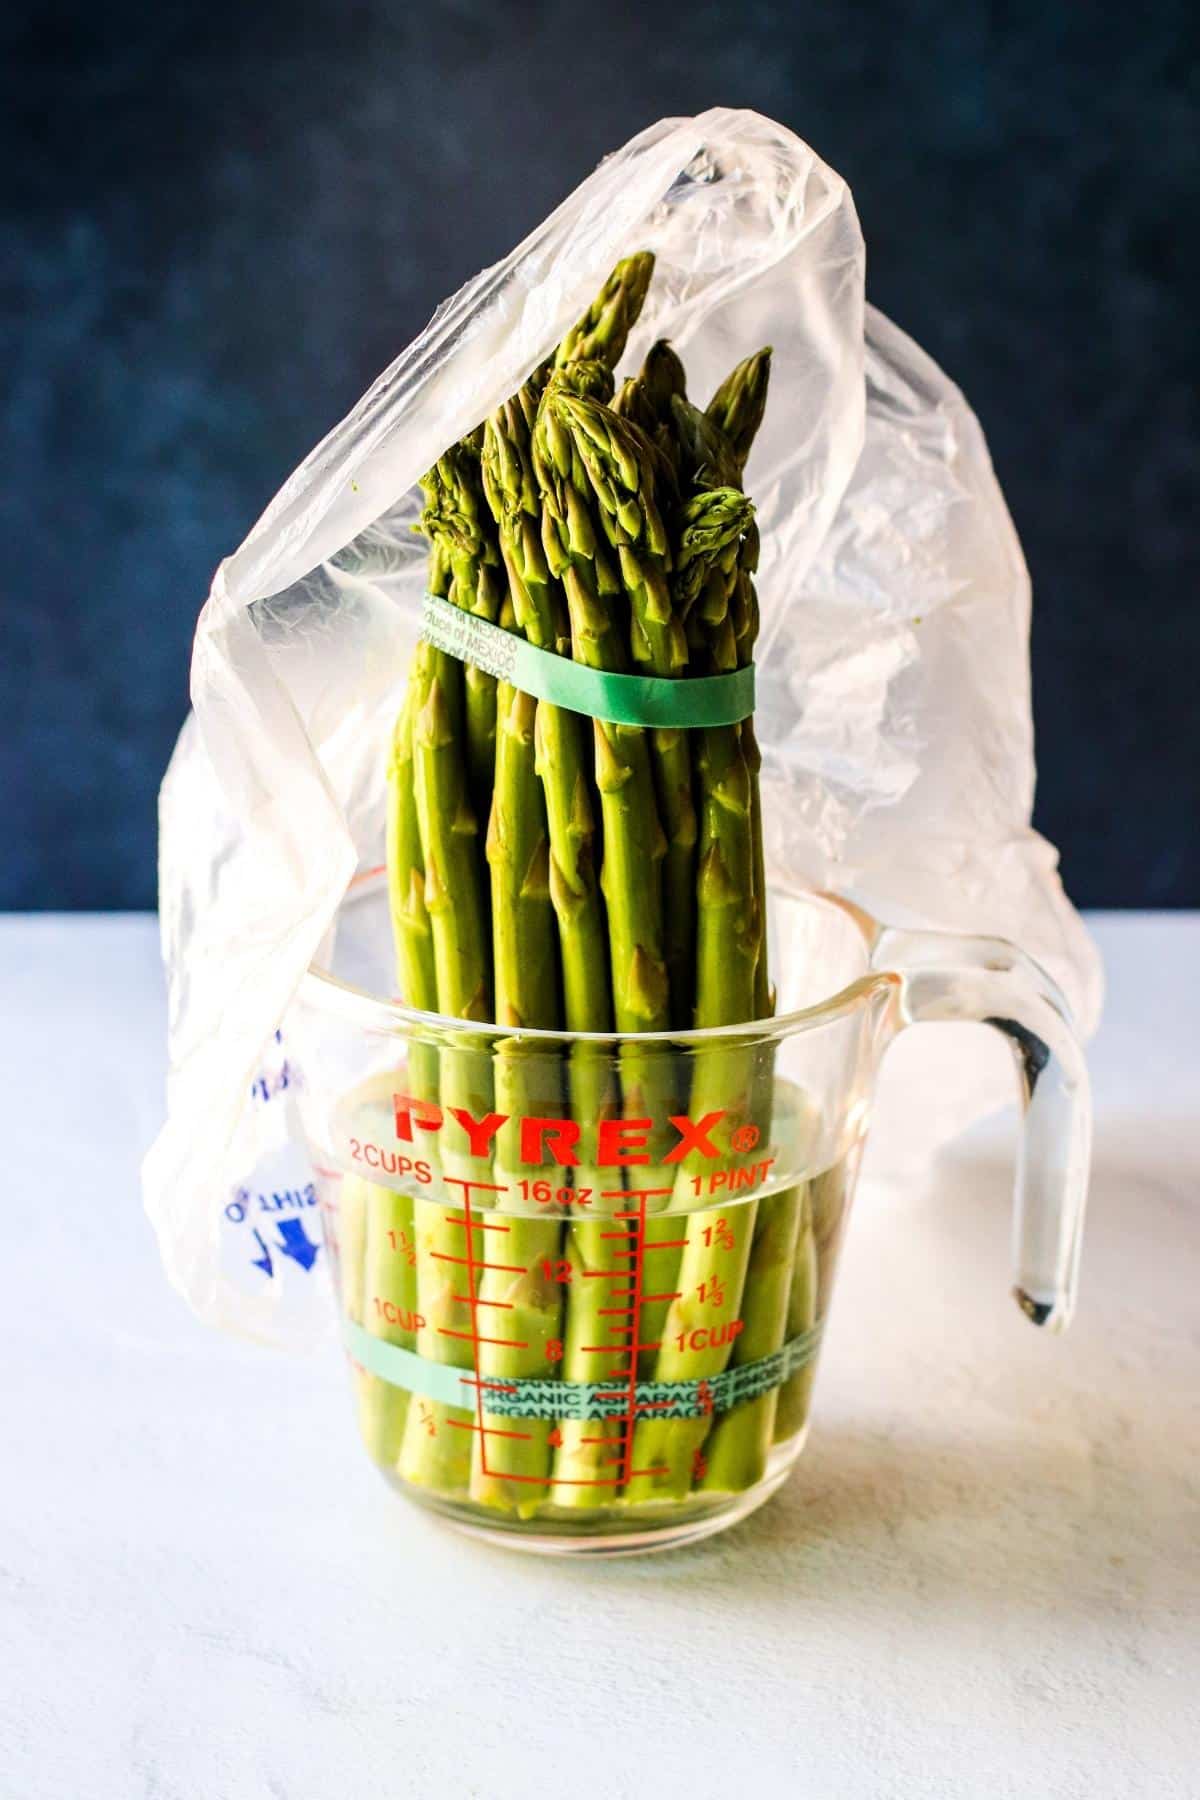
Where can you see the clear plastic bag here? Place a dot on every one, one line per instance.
(894, 702)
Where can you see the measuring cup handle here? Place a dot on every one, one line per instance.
(944, 977)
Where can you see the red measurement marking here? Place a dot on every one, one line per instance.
(470, 1300)
(472, 1263)
(635, 1314)
(637, 1194)
(477, 1224)
(329, 1174)
(490, 1383)
(474, 1332)
(668, 1244)
(488, 1430)
(602, 1440)
(473, 1337)
(492, 1187)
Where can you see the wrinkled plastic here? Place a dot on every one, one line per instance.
(894, 696)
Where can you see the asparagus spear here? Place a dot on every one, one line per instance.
(406, 874)
(583, 366)
(523, 1302)
(603, 330)
(738, 406)
(710, 528)
(436, 1449)
(563, 767)
(456, 518)
(776, 1302)
(711, 1281)
(646, 401)
(779, 1288)
(696, 1338)
(634, 846)
(375, 1221)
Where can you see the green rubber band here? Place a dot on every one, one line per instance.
(541, 1397)
(646, 700)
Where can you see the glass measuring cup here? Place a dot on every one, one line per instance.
(583, 1280)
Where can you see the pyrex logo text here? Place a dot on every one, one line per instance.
(620, 1143)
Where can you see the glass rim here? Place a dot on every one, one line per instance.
(330, 993)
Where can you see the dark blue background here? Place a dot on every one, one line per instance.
(222, 221)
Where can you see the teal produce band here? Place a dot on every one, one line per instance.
(646, 700)
(540, 1397)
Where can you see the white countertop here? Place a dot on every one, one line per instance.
(982, 1580)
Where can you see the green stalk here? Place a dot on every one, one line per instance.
(436, 1452)
(710, 527)
(594, 1239)
(816, 1255)
(389, 1313)
(713, 1291)
(455, 519)
(539, 865)
(715, 447)
(634, 846)
(619, 464)
(631, 882)
(776, 1283)
(406, 872)
(376, 1221)
(791, 1412)
(520, 1302)
(697, 1338)
(378, 1293)
(563, 767)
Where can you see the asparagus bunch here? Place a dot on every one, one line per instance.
(555, 872)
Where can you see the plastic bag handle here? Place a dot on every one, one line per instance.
(945, 977)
